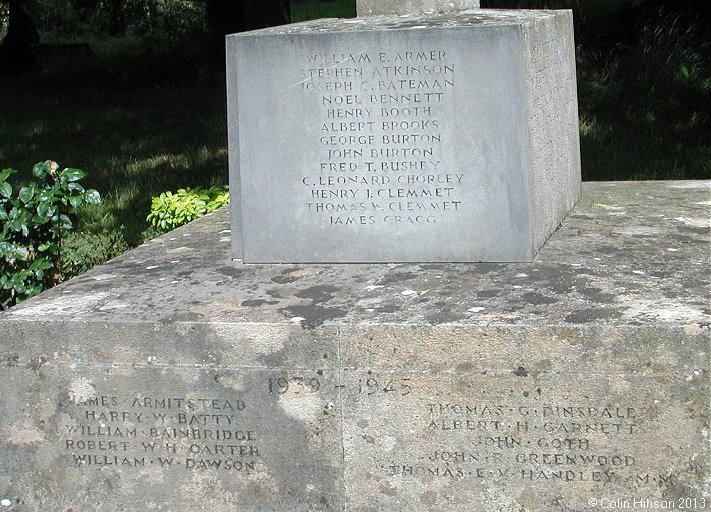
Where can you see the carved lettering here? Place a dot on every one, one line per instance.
(381, 133)
(191, 433)
(512, 439)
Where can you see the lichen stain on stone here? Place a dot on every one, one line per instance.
(464, 367)
(697, 377)
(397, 278)
(660, 371)
(696, 329)
(64, 305)
(388, 443)
(255, 303)
(300, 407)
(261, 480)
(388, 490)
(274, 293)
(597, 295)
(205, 492)
(291, 275)
(388, 309)
(428, 498)
(47, 403)
(187, 316)
(442, 317)
(521, 372)
(695, 222)
(55, 472)
(528, 500)
(22, 435)
(583, 316)
(258, 339)
(81, 388)
(544, 365)
(318, 294)
(537, 299)
(368, 439)
(230, 271)
(313, 315)
(644, 309)
(284, 279)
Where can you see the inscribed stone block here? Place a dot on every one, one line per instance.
(386, 139)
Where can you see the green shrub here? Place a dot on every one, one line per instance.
(169, 210)
(303, 10)
(82, 251)
(4, 18)
(34, 219)
(153, 20)
(116, 16)
(171, 21)
(58, 17)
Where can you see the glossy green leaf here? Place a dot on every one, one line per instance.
(42, 210)
(41, 264)
(26, 194)
(71, 174)
(41, 169)
(75, 187)
(6, 173)
(65, 222)
(5, 189)
(91, 196)
(46, 194)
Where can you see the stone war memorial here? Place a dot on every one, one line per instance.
(450, 137)
(516, 342)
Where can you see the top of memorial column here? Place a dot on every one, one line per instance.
(402, 7)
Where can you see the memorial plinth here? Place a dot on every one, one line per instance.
(450, 137)
(172, 378)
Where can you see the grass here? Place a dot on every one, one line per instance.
(303, 10)
(626, 136)
(644, 104)
(137, 123)
(138, 120)
(611, 151)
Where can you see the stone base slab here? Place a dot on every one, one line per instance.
(172, 378)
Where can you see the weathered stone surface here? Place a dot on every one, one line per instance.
(447, 137)
(384, 7)
(540, 386)
(154, 437)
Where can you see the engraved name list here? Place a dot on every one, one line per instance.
(380, 139)
(192, 433)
